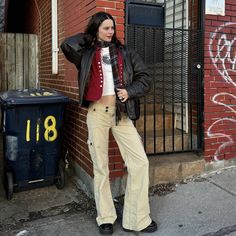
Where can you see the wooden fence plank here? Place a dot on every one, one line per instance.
(36, 62)
(26, 60)
(18, 61)
(3, 79)
(2, 59)
(32, 61)
(10, 61)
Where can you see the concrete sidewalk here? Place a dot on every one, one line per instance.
(202, 206)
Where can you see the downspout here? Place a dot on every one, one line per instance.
(55, 48)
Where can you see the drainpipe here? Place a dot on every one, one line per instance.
(55, 48)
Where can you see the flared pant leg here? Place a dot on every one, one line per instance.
(99, 120)
(136, 206)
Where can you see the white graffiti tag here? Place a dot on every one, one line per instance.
(222, 50)
(213, 134)
(225, 94)
(222, 53)
(229, 141)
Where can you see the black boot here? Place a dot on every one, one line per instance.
(149, 229)
(106, 229)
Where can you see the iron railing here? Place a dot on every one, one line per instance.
(171, 119)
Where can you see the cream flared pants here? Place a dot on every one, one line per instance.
(136, 211)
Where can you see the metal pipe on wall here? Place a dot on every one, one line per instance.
(55, 48)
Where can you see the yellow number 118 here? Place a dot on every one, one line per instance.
(50, 133)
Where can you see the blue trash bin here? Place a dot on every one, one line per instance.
(32, 122)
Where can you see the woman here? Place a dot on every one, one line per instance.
(111, 79)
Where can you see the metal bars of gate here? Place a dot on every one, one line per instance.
(170, 114)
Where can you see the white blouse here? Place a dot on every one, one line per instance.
(108, 82)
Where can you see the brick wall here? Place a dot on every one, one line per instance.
(72, 18)
(219, 85)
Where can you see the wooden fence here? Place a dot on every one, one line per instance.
(18, 61)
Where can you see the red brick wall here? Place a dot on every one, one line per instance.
(72, 18)
(220, 85)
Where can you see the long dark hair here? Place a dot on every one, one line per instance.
(94, 23)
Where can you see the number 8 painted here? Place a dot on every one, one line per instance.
(50, 128)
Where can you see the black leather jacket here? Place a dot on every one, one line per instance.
(136, 78)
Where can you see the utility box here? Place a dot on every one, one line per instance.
(32, 122)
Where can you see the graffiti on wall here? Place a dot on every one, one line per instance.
(222, 50)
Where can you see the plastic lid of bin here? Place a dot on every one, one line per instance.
(32, 96)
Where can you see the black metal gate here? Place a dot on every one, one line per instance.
(168, 37)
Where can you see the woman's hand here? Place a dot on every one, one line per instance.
(122, 94)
